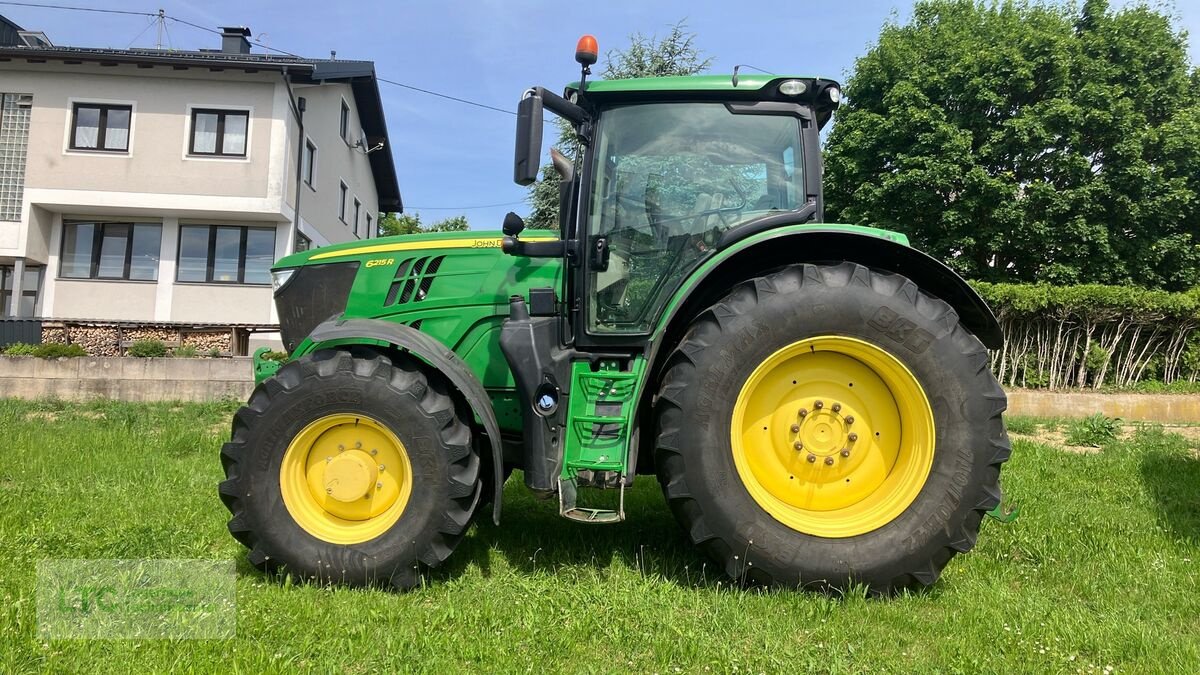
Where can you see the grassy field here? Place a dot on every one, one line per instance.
(1101, 571)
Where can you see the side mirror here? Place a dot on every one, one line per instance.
(513, 224)
(528, 156)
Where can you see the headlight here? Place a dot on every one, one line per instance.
(792, 87)
(835, 94)
(279, 278)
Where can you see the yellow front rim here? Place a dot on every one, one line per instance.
(833, 436)
(345, 478)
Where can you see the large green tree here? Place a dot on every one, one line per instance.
(410, 223)
(1022, 141)
(646, 56)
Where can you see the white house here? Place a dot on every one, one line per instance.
(159, 186)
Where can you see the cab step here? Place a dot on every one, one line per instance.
(568, 492)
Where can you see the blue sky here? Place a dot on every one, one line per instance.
(451, 157)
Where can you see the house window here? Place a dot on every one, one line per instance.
(344, 122)
(342, 202)
(303, 243)
(226, 254)
(310, 161)
(219, 133)
(357, 210)
(100, 127)
(369, 232)
(14, 148)
(29, 290)
(102, 250)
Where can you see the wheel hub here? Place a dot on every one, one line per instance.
(350, 476)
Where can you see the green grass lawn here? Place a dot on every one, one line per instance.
(1101, 570)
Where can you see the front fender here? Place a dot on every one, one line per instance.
(337, 332)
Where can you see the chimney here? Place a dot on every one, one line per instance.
(234, 40)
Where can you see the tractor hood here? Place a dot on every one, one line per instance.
(447, 281)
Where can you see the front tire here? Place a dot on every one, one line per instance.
(829, 425)
(351, 468)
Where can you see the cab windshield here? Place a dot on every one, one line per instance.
(669, 179)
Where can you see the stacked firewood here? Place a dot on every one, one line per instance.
(206, 342)
(107, 340)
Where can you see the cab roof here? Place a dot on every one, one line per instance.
(749, 87)
(746, 82)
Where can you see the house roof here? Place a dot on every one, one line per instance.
(9, 32)
(360, 75)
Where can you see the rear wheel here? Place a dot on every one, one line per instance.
(828, 425)
(351, 468)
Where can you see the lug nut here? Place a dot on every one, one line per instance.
(341, 447)
(358, 444)
(845, 452)
(328, 491)
(382, 467)
(853, 436)
(812, 458)
(795, 428)
(803, 412)
(374, 452)
(798, 445)
(849, 419)
(837, 407)
(819, 404)
(828, 461)
(328, 460)
(379, 486)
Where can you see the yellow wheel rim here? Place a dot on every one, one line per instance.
(833, 436)
(345, 478)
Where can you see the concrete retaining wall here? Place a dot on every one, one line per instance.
(131, 379)
(1173, 408)
(126, 379)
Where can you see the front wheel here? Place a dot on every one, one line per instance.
(828, 425)
(352, 468)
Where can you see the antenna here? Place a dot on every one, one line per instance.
(747, 65)
(162, 23)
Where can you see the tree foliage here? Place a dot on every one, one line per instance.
(410, 223)
(646, 56)
(1022, 141)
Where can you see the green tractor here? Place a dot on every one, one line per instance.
(814, 398)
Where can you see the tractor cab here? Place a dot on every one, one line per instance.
(669, 170)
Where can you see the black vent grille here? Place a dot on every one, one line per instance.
(413, 281)
(315, 293)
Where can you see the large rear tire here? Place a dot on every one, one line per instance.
(829, 425)
(351, 468)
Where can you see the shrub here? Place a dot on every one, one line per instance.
(214, 353)
(54, 350)
(1093, 431)
(274, 356)
(147, 349)
(1131, 334)
(20, 349)
(185, 352)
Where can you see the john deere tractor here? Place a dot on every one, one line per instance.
(814, 398)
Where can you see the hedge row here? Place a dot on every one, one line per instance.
(1094, 336)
